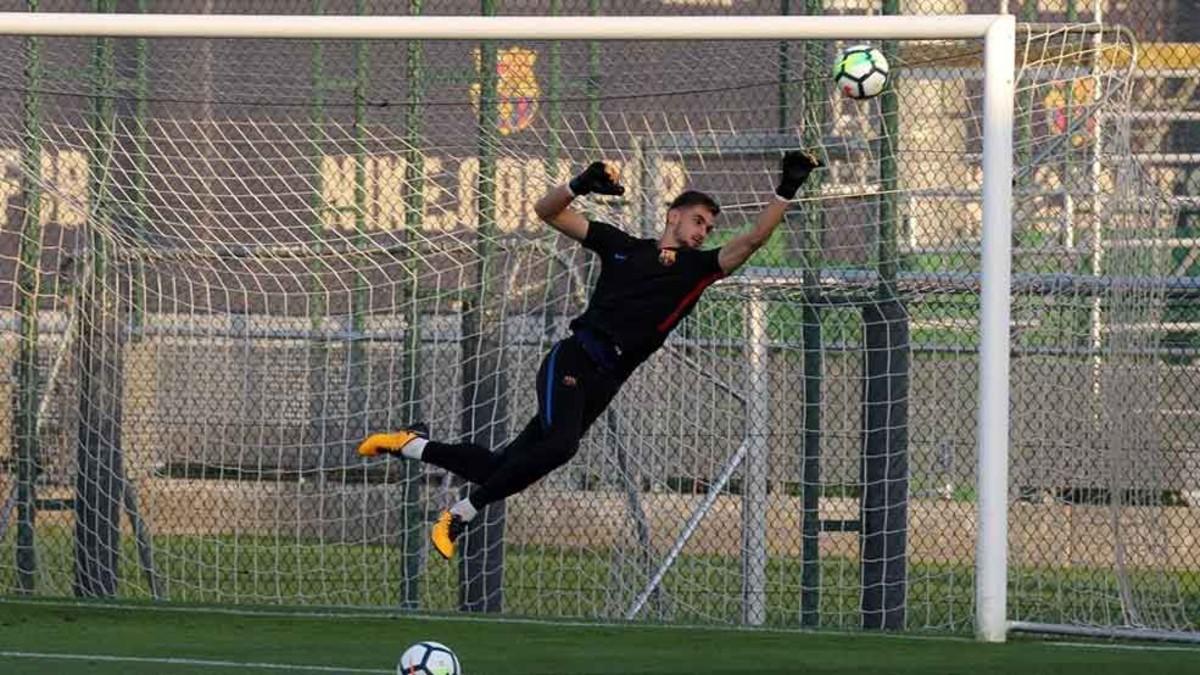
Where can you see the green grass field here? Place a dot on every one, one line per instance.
(567, 584)
(67, 639)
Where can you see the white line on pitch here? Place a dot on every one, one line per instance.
(190, 662)
(1127, 647)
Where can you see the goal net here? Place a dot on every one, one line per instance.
(224, 262)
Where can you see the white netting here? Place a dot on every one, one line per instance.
(250, 254)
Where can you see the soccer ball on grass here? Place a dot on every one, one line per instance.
(428, 658)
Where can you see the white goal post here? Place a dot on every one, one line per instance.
(996, 31)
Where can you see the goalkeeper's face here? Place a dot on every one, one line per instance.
(690, 225)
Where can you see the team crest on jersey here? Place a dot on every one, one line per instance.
(517, 89)
(666, 257)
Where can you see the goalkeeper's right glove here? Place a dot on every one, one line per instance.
(599, 178)
(794, 170)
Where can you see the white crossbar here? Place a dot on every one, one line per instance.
(508, 27)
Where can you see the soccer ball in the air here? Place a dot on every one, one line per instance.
(861, 71)
(428, 658)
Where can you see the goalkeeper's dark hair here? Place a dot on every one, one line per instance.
(695, 197)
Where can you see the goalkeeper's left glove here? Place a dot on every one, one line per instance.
(794, 170)
(600, 178)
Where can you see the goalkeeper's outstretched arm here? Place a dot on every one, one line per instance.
(794, 171)
(554, 206)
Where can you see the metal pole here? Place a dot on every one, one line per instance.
(1109, 632)
(784, 74)
(1068, 163)
(318, 350)
(889, 109)
(554, 148)
(25, 415)
(710, 498)
(883, 505)
(144, 541)
(1129, 605)
(1023, 150)
(99, 480)
(813, 222)
(316, 308)
(141, 168)
(631, 484)
(754, 495)
(142, 536)
(991, 549)
(593, 83)
(481, 567)
(359, 395)
(412, 195)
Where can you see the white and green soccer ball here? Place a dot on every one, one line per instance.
(861, 71)
(428, 658)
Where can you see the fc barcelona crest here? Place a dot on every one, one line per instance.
(517, 89)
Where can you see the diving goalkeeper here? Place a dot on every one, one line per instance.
(646, 287)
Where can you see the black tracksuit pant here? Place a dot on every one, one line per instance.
(572, 391)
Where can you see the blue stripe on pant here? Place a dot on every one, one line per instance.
(551, 438)
(548, 409)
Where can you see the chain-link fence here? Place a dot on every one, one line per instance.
(249, 254)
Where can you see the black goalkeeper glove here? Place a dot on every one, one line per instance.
(599, 178)
(794, 170)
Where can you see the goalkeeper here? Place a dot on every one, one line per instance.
(646, 287)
